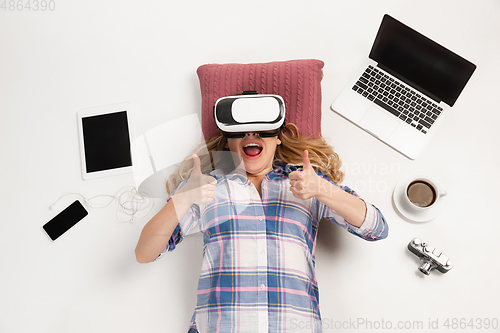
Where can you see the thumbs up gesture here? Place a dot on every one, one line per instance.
(306, 183)
(200, 188)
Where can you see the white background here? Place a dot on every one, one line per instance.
(91, 53)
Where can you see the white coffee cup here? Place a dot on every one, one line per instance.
(422, 193)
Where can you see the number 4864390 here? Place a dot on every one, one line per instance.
(28, 5)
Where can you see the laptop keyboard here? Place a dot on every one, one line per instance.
(397, 98)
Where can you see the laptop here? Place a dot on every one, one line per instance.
(405, 88)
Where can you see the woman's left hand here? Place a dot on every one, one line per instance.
(306, 183)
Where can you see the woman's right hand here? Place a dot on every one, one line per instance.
(200, 188)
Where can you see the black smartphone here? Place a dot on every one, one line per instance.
(63, 221)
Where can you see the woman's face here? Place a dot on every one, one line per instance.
(256, 153)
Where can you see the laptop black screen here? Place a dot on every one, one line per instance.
(420, 62)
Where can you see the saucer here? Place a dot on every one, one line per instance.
(410, 214)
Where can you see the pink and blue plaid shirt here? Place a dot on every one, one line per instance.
(258, 270)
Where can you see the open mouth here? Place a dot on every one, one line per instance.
(252, 150)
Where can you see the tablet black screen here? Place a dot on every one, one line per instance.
(106, 141)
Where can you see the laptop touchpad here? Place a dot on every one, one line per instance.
(379, 123)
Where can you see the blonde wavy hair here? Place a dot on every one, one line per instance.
(322, 156)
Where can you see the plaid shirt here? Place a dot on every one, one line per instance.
(258, 270)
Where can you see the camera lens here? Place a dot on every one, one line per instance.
(426, 267)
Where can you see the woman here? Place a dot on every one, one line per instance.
(259, 224)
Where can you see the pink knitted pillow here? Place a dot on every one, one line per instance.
(297, 81)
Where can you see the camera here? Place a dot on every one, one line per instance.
(430, 256)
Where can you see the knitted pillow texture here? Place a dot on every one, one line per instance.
(298, 82)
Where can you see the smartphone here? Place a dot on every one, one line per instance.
(63, 221)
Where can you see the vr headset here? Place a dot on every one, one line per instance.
(250, 112)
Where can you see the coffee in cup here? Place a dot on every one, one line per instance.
(422, 193)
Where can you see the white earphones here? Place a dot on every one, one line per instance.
(130, 202)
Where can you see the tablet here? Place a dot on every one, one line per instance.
(105, 137)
